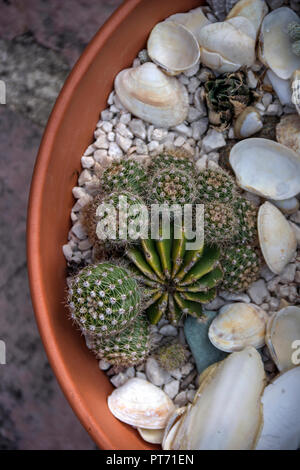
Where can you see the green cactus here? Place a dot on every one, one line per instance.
(103, 299)
(172, 186)
(294, 31)
(296, 48)
(247, 216)
(171, 356)
(215, 185)
(220, 223)
(241, 267)
(128, 348)
(122, 211)
(128, 175)
(178, 280)
(178, 158)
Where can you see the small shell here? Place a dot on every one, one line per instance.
(173, 47)
(248, 123)
(141, 404)
(288, 131)
(193, 20)
(150, 94)
(287, 206)
(275, 46)
(266, 168)
(281, 87)
(153, 436)
(227, 46)
(237, 326)
(277, 240)
(253, 10)
(281, 413)
(283, 333)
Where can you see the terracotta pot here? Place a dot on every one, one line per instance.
(68, 133)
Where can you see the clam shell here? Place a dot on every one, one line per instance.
(275, 46)
(193, 20)
(237, 326)
(153, 436)
(253, 10)
(227, 46)
(266, 168)
(226, 412)
(281, 413)
(283, 331)
(276, 237)
(173, 47)
(281, 87)
(248, 123)
(288, 132)
(287, 206)
(150, 94)
(141, 404)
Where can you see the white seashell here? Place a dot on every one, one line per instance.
(281, 88)
(153, 436)
(141, 404)
(266, 168)
(171, 428)
(248, 123)
(226, 412)
(277, 240)
(173, 47)
(237, 326)
(275, 46)
(227, 46)
(193, 20)
(281, 413)
(288, 132)
(150, 94)
(283, 337)
(287, 206)
(253, 10)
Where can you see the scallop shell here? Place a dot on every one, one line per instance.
(248, 123)
(237, 326)
(288, 131)
(281, 413)
(227, 46)
(275, 46)
(226, 412)
(150, 94)
(283, 334)
(253, 10)
(153, 436)
(266, 168)
(141, 404)
(173, 47)
(276, 237)
(193, 20)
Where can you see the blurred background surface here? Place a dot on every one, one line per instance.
(40, 40)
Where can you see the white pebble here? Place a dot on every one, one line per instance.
(192, 71)
(123, 142)
(138, 128)
(84, 177)
(106, 115)
(79, 231)
(78, 192)
(125, 118)
(119, 379)
(168, 330)
(67, 251)
(159, 134)
(101, 142)
(172, 388)
(104, 365)
(87, 162)
(89, 150)
(114, 150)
(212, 141)
(184, 130)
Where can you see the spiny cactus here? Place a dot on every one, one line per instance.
(247, 216)
(128, 175)
(296, 47)
(220, 223)
(171, 356)
(128, 348)
(117, 218)
(294, 31)
(215, 185)
(241, 267)
(172, 186)
(178, 158)
(178, 280)
(103, 299)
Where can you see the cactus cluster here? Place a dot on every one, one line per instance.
(294, 33)
(172, 186)
(178, 158)
(247, 217)
(128, 175)
(171, 356)
(241, 267)
(220, 223)
(215, 185)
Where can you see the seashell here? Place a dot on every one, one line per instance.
(253, 10)
(277, 240)
(227, 46)
(193, 20)
(248, 123)
(172, 426)
(141, 404)
(287, 206)
(281, 88)
(288, 132)
(153, 436)
(266, 168)
(237, 326)
(173, 47)
(150, 94)
(283, 332)
(221, 7)
(275, 46)
(295, 89)
(226, 412)
(281, 413)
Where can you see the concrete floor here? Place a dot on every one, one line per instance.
(39, 42)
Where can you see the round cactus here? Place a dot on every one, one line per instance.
(172, 186)
(296, 47)
(103, 299)
(178, 158)
(220, 223)
(117, 218)
(128, 348)
(294, 31)
(215, 185)
(241, 267)
(247, 217)
(128, 175)
(172, 356)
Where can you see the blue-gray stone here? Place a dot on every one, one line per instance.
(196, 333)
